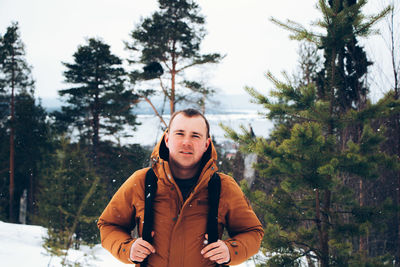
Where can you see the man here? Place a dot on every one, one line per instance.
(183, 161)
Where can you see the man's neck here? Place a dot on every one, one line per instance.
(183, 173)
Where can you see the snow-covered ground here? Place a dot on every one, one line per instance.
(21, 245)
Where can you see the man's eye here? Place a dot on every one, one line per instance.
(196, 136)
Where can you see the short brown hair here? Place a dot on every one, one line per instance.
(190, 112)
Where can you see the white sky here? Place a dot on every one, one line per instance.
(53, 29)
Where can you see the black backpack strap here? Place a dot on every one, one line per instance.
(149, 194)
(214, 190)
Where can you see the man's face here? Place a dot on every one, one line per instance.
(187, 141)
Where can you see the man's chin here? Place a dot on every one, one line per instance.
(185, 164)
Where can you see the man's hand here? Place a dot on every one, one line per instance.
(140, 250)
(217, 252)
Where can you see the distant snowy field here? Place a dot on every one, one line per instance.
(21, 245)
(150, 131)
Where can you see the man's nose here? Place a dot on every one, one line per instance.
(186, 141)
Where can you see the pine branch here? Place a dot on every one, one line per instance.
(154, 109)
(300, 33)
(165, 91)
(166, 64)
(209, 58)
(363, 29)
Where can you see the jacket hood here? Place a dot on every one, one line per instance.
(161, 153)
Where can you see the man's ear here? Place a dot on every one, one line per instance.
(208, 142)
(166, 139)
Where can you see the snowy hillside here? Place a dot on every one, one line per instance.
(21, 245)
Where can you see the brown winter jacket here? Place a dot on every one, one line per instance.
(179, 226)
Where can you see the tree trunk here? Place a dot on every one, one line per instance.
(172, 99)
(363, 240)
(398, 222)
(318, 217)
(31, 197)
(95, 139)
(397, 120)
(96, 126)
(325, 229)
(173, 74)
(325, 224)
(12, 146)
(11, 210)
(395, 68)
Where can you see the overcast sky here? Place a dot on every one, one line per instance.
(53, 29)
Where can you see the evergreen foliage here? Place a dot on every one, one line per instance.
(33, 144)
(324, 149)
(168, 43)
(4, 176)
(15, 71)
(117, 163)
(59, 201)
(392, 123)
(73, 210)
(15, 78)
(98, 104)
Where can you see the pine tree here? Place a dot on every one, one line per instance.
(15, 77)
(31, 147)
(168, 43)
(322, 145)
(68, 210)
(99, 103)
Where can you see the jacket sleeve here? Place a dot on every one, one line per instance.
(118, 219)
(244, 228)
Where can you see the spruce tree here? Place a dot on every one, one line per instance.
(15, 77)
(168, 43)
(322, 146)
(98, 104)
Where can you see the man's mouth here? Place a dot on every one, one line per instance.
(186, 152)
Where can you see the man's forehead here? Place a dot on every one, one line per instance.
(191, 124)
